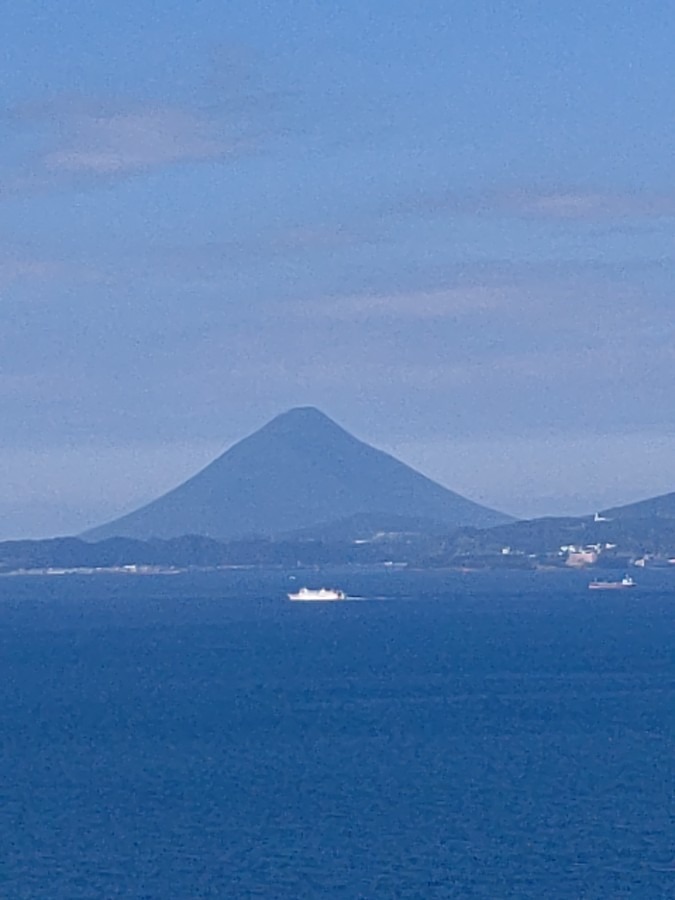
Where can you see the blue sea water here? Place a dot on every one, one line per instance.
(455, 736)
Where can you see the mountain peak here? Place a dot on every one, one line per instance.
(303, 412)
(303, 423)
(302, 417)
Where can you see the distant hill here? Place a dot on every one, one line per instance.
(648, 522)
(298, 471)
(647, 526)
(195, 552)
(661, 507)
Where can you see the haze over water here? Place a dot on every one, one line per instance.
(474, 736)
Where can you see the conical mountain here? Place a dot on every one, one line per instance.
(300, 469)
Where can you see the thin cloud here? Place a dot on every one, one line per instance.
(438, 304)
(18, 269)
(586, 205)
(531, 295)
(557, 204)
(275, 243)
(20, 265)
(561, 373)
(131, 141)
(68, 140)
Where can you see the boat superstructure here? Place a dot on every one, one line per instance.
(318, 594)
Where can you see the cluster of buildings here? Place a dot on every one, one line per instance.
(577, 557)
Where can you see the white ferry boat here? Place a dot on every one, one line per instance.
(320, 594)
(626, 582)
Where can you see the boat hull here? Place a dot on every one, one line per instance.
(609, 586)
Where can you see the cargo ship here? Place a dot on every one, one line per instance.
(626, 582)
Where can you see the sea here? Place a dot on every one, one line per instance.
(443, 735)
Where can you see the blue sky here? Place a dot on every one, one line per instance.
(448, 225)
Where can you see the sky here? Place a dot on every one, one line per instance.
(448, 225)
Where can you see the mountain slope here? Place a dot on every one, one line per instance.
(367, 526)
(661, 507)
(300, 469)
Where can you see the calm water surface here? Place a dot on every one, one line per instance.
(461, 736)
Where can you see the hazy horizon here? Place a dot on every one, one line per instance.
(449, 229)
(520, 464)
